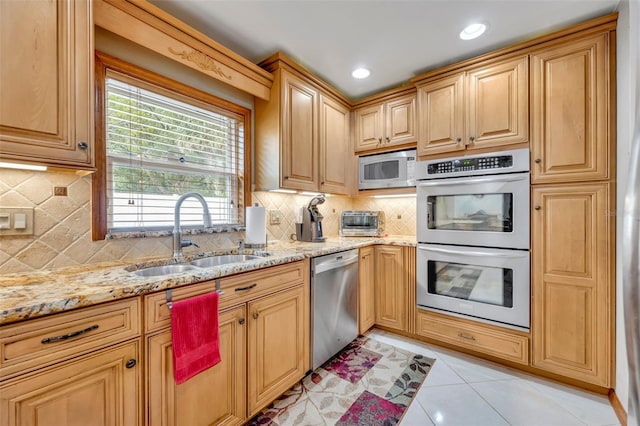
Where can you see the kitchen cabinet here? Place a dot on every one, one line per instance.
(302, 133)
(481, 107)
(264, 344)
(100, 388)
(386, 124)
(391, 287)
(366, 290)
(335, 152)
(571, 110)
(486, 339)
(46, 107)
(572, 281)
(194, 401)
(278, 345)
(74, 368)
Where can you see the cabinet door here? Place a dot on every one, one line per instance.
(441, 116)
(96, 389)
(335, 152)
(46, 72)
(369, 127)
(572, 287)
(498, 104)
(570, 117)
(298, 148)
(400, 121)
(366, 299)
(278, 345)
(215, 396)
(390, 287)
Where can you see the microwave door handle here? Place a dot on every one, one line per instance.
(471, 253)
(474, 180)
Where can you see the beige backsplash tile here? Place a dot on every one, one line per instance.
(62, 230)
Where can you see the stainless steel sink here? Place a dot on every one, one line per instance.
(207, 262)
(156, 271)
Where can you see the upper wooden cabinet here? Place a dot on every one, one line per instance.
(46, 106)
(335, 152)
(298, 130)
(386, 124)
(483, 107)
(570, 111)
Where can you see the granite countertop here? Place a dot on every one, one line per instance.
(34, 294)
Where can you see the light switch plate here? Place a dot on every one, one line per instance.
(25, 221)
(275, 217)
(5, 220)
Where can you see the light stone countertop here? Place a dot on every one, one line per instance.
(34, 294)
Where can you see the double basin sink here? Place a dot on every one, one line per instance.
(205, 262)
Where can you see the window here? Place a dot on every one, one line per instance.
(156, 140)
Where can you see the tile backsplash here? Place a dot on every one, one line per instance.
(62, 224)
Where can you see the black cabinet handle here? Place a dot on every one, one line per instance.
(241, 321)
(537, 207)
(249, 287)
(68, 336)
(83, 145)
(131, 363)
(537, 160)
(255, 315)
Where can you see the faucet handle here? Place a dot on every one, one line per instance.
(241, 244)
(187, 243)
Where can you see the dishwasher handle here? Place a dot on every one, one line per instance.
(335, 264)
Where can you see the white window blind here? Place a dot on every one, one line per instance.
(161, 145)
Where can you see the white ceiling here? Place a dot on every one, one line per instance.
(395, 39)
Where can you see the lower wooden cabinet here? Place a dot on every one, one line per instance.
(215, 396)
(101, 388)
(264, 346)
(572, 284)
(366, 290)
(278, 345)
(391, 287)
(483, 338)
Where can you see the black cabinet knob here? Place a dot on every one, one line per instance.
(83, 145)
(131, 363)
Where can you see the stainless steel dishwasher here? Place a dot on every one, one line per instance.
(334, 304)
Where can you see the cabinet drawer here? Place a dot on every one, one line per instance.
(505, 344)
(39, 342)
(236, 289)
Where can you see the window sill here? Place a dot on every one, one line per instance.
(168, 232)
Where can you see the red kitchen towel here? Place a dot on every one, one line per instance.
(194, 334)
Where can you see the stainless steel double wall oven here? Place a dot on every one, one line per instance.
(473, 236)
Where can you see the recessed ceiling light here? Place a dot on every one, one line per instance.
(361, 73)
(473, 31)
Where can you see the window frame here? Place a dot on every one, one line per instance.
(99, 188)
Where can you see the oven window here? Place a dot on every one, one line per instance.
(382, 170)
(360, 221)
(484, 284)
(471, 212)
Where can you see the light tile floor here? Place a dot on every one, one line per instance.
(462, 390)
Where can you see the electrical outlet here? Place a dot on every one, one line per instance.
(275, 217)
(60, 191)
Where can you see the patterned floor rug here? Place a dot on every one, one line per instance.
(368, 383)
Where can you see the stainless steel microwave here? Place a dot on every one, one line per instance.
(388, 170)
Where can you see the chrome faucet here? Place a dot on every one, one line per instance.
(177, 237)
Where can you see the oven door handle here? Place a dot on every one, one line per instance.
(443, 182)
(472, 253)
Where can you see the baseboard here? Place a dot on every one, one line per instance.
(617, 407)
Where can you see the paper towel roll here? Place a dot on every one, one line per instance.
(256, 220)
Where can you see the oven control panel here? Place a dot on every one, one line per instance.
(470, 164)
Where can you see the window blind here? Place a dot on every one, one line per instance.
(160, 147)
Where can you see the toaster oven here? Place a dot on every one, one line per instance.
(361, 223)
